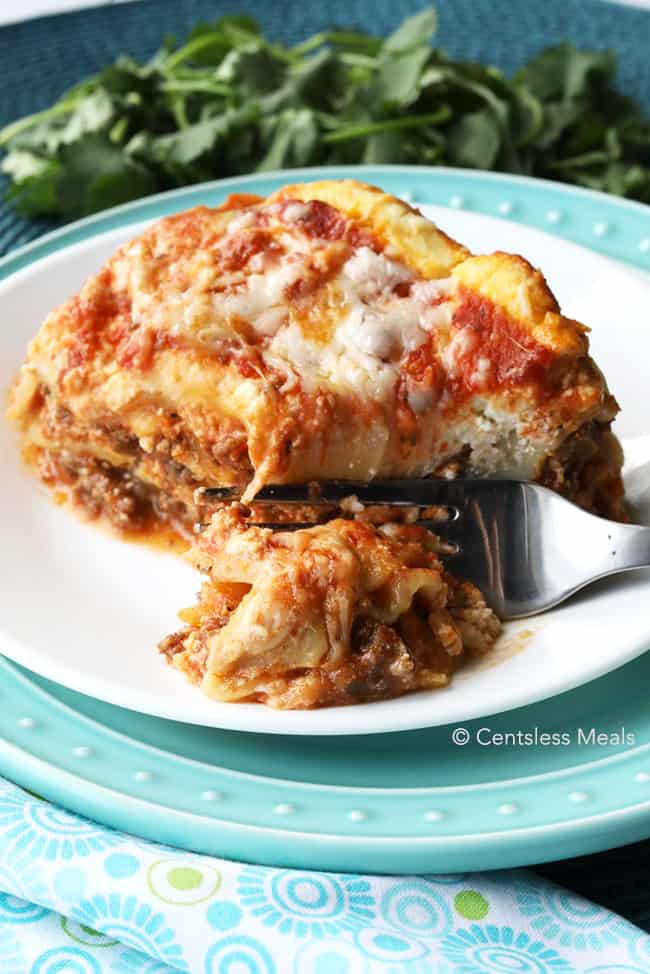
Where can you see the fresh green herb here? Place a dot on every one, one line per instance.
(229, 101)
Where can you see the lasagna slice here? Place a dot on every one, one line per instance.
(336, 614)
(329, 330)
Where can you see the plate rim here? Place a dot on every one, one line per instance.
(69, 230)
(121, 217)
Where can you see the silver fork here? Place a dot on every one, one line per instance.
(524, 546)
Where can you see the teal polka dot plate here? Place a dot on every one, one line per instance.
(403, 802)
(412, 801)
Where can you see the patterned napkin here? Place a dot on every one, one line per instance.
(78, 898)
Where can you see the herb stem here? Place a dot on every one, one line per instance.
(316, 40)
(15, 128)
(355, 59)
(586, 159)
(388, 125)
(207, 87)
(339, 39)
(187, 51)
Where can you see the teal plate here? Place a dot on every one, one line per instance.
(405, 802)
(394, 803)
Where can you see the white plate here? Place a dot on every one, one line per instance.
(87, 610)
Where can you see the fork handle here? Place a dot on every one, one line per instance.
(630, 547)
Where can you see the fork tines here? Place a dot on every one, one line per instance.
(418, 493)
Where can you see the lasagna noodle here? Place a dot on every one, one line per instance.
(337, 614)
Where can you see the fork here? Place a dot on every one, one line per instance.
(524, 546)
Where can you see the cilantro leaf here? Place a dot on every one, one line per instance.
(227, 101)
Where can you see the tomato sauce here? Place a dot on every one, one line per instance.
(237, 250)
(512, 353)
(89, 317)
(322, 221)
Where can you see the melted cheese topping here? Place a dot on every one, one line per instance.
(371, 327)
(324, 309)
(262, 301)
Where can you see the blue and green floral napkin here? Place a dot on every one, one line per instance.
(78, 898)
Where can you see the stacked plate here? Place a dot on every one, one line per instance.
(541, 751)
